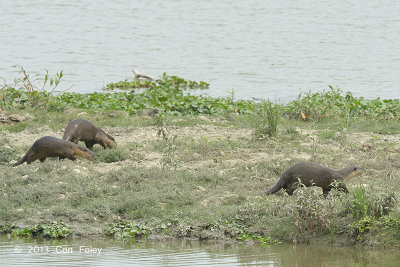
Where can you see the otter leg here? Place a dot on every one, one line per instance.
(42, 159)
(291, 187)
(61, 157)
(31, 158)
(74, 140)
(71, 157)
(102, 143)
(343, 187)
(67, 153)
(100, 139)
(289, 191)
(326, 190)
(90, 144)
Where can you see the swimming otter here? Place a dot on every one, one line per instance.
(48, 146)
(83, 130)
(311, 174)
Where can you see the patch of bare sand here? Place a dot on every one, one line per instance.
(140, 135)
(145, 135)
(29, 136)
(145, 156)
(152, 160)
(368, 138)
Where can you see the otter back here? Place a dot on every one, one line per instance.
(83, 130)
(311, 174)
(48, 146)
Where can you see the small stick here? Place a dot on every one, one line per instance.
(141, 75)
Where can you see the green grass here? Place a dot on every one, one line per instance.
(204, 174)
(215, 187)
(172, 95)
(268, 116)
(16, 127)
(110, 155)
(228, 197)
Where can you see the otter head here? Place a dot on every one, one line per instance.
(86, 153)
(351, 172)
(110, 141)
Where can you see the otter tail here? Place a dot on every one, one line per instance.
(275, 188)
(22, 160)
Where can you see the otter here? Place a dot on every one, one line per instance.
(49, 146)
(311, 174)
(83, 130)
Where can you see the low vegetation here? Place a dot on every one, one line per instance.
(51, 230)
(200, 166)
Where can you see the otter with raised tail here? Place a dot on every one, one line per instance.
(311, 174)
(49, 146)
(83, 130)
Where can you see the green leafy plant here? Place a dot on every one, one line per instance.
(331, 104)
(362, 204)
(16, 127)
(268, 115)
(129, 229)
(367, 208)
(262, 239)
(6, 151)
(129, 85)
(169, 157)
(111, 155)
(53, 230)
(171, 80)
(29, 92)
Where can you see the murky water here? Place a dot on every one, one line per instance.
(30, 252)
(258, 48)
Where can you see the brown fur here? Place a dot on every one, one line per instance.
(83, 130)
(48, 146)
(311, 174)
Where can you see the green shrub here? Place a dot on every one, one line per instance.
(111, 155)
(331, 104)
(366, 204)
(268, 115)
(52, 230)
(128, 229)
(6, 151)
(16, 127)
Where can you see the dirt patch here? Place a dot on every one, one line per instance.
(142, 138)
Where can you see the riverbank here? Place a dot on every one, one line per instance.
(204, 179)
(191, 166)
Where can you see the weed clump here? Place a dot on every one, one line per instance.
(27, 92)
(111, 155)
(169, 148)
(16, 127)
(369, 209)
(367, 204)
(314, 214)
(129, 230)
(331, 104)
(56, 229)
(268, 116)
(6, 151)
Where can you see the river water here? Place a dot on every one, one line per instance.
(262, 49)
(31, 252)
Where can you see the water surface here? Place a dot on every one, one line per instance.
(258, 48)
(30, 252)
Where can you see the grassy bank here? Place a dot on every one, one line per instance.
(201, 172)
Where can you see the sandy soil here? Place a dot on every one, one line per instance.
(145, 155)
